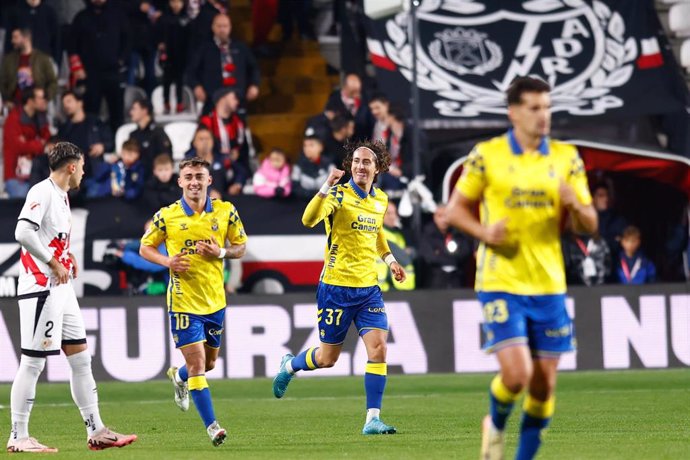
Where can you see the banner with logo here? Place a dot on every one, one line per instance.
(601, 58)
(430, 331)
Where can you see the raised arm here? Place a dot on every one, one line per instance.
(319, 207)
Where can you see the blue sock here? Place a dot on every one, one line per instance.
(501, 401)
(198, 388)
(375, 383)
(536, 416)
(530, 436)
(184, 375)
(305, 361)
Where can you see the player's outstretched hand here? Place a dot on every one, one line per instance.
(496, 234)
(60, 273)
(398, 272)
(179, 263)
(208, 249)
(335, 175)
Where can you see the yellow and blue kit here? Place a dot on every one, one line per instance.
(198, 292)
(348, 289)
(522, 282)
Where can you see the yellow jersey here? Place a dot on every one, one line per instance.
(200, 289)
(522, 187)
(354, 227)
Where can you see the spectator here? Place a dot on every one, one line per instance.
(227, 177)
(444, 252)
(378, 105)
(587, 259)
(611, 225)
(399, 144)
(141, 18)
(403, 253)
(25, 67)
(123, 178)
(201, 26)
(342, 128)
(41, 20)
(320, 125)
(86, 131)
(348, 99)
(311, 170)
(99, 49)
(272, 179)
(24, 136)
(227, 127)
(222, 62)
(633, 267)
(151, 138)
(40, 169)
(161, 189)
(173, 39)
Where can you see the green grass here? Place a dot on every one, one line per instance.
(607, 415)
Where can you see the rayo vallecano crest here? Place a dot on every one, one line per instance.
(469, 51)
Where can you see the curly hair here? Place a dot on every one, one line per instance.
(381, 154)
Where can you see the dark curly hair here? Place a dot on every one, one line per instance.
(383, 156)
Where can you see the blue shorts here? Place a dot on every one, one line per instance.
(187, 328)
(540, 322)
(338, 306)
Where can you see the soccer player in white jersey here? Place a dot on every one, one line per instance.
(50, 319)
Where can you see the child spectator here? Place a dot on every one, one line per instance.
(272, 179)
(312, 169)
(124, 178)
(161, 189)
(173, 40)
(633, 267)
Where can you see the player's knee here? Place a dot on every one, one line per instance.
(33, 364)
(328, 361)
(377, 352)
(516, 380)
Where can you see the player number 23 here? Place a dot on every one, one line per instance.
(496, 311)
(181, 321)
(338, 312)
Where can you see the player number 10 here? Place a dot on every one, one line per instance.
(181, 321)
(496, 311)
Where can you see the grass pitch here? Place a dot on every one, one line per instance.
(599, 415)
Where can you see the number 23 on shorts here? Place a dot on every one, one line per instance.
(496, 311)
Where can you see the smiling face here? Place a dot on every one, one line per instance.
(194, 182)
(364, 168)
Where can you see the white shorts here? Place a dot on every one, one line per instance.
(50, 319)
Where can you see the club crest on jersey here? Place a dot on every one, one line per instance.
(214, 225)
(580, 47)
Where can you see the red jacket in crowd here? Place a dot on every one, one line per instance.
(234, 129)
(23, 136)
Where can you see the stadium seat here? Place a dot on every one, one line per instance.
(159, 103)
(122, 135)
(679, 19)
(181, 134)
(685, 55)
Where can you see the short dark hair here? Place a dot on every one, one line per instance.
(631, 230)
(397, 112)
(69, 92)
(381, 153)
(29, 93)
(341, 121)
(195, 162)
(144, 104)
(163, 159)
(521, 85)
(132, 145)
(313, 137)
(379, 97)
(63, 153)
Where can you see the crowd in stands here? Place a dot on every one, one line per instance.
(110, 43)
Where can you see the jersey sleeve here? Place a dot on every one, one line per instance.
(35, 207)
(236, 233)
(473, 179)
(577, 178)
(156, 233)
(320, 207)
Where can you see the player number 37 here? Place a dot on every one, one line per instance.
(332, 315)
(496, 311)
